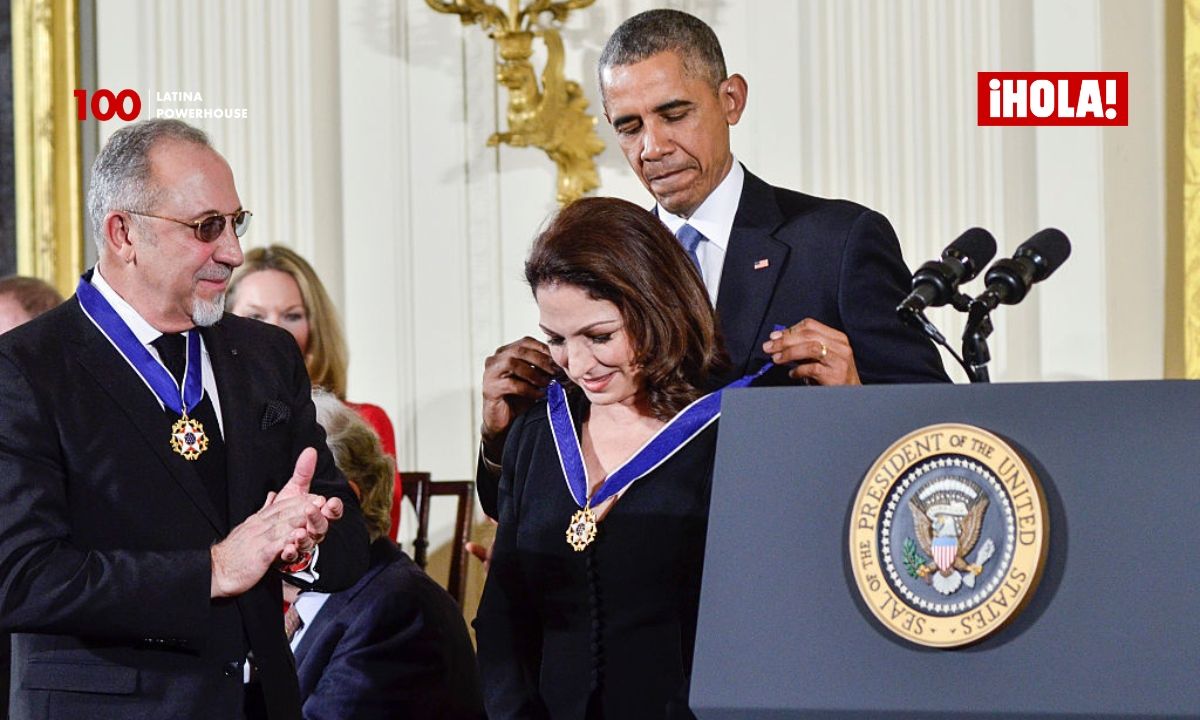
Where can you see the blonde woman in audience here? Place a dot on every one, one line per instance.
(395, 645)
(278, 286)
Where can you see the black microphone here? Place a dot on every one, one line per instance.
(1008, 280)
(936, 282)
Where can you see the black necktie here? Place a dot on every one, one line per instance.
(210, 466)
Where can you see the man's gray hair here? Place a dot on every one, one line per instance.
(121, 175)
(656, 31)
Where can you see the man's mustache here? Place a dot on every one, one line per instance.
(216, 273)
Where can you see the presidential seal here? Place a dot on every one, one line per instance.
(948, 535)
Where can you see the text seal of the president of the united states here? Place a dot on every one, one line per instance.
(948, 535)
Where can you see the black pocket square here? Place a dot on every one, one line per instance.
(275, 413)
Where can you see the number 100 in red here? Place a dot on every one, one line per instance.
(126, 104)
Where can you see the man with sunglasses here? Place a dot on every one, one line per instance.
(160, 464)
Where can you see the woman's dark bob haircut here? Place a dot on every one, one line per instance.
(617, 251)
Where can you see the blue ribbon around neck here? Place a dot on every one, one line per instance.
(666, 442)
(153, 372)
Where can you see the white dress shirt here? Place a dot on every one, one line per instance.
(146, 334)
(714, 220)
(308, 604)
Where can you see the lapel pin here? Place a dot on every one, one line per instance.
(761, 264)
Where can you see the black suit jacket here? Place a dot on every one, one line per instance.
(104, 541)
(834, 261)
(607, 632)
(394, 645)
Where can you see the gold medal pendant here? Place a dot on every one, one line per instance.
(188, 438)
(582, 530)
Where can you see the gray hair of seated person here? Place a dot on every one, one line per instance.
(664, 30)
(358, 453)
(122, 177)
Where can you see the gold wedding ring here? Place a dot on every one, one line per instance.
(824, 352)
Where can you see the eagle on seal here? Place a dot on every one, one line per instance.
(948, 516)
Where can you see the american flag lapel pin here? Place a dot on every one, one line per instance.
(761, 264)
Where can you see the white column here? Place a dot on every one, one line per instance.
(373, 92)
(1070, 192)
(1134, 158)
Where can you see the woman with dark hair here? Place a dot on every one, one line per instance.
(591, 600)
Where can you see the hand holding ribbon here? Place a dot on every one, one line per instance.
(821, 354)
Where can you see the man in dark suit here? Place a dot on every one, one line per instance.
(154, 483)
(828, 272)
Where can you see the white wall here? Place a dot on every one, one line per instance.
(365, 150)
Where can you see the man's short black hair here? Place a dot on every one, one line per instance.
(656, 31)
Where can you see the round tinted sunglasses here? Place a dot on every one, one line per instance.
(211, 227)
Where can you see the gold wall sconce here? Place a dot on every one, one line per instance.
(552, 116)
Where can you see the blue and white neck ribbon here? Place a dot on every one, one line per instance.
(153, 372)
(680, 430)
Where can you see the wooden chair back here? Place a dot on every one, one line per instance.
(420, 488)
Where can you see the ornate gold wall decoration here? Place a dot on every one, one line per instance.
(46, 141)
(553, 116)
(1191, 189)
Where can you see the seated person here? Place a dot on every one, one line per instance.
(277, 286)
(395, 644)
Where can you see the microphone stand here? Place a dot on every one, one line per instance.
(962, 303)
(979, 327)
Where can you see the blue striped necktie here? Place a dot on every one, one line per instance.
(690, 238)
